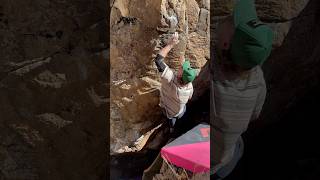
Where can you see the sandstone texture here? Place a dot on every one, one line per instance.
(53, 89)
(138, 29)
(278, 14)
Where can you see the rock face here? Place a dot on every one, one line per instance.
(293, 68)
(53, 81)
(138, 29)
(278, 14)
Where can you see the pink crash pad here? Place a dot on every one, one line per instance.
(193, 157)
(190, 151)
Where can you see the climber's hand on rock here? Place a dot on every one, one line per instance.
(174, 39)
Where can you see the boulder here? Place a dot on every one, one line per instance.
(139, 29)
(53, 89)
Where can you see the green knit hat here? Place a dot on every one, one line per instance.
(252, 41)
(188, 73)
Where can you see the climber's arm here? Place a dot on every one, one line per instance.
(166, 72)
(164, 52)
(159, 63)
(173, 41)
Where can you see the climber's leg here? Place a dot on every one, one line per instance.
(172, 122)
(183, 112)
(178, 127)
(178, 118)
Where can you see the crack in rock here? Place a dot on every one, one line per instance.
(29, 66)
(53, 119)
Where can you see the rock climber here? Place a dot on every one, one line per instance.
(176, 87)
(238, 87)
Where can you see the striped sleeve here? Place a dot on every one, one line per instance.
(167, 74)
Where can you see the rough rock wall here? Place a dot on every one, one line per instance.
(277, 14)
(139, 28)
(293, 68)
(53, 81)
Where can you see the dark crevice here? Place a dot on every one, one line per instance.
(128, 20)
(271, 20)
(287, 149)
(11, 70)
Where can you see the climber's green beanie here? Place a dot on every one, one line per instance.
(188, 74)
(252, 41)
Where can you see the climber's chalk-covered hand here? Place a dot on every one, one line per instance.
(174, 39)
